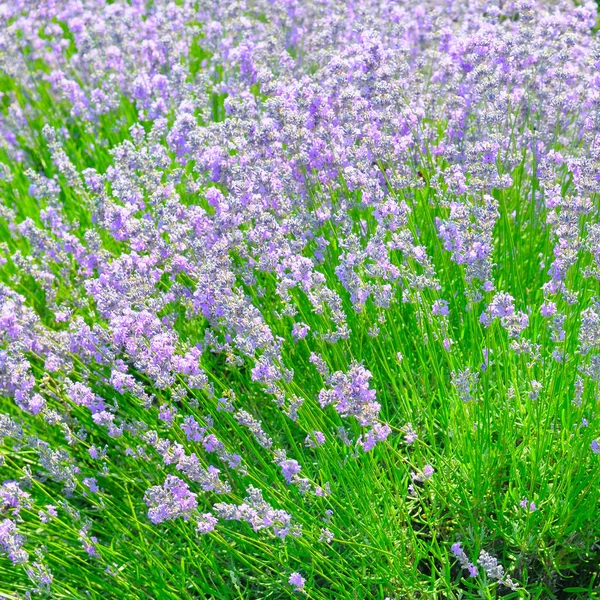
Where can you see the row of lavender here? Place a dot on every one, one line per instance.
(233, 232)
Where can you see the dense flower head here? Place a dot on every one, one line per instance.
(297, 581)
(463, 559)
(12, 542)
(174, 499)
(494, 570)
(13, 497)
(351, 394)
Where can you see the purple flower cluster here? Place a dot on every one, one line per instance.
(463, 559)
(351, 395)
(468, 234)
(171, 500)
(527, 505)
(12, 542)
(258, 513)
(495, 571)
(13, 497)
(296, 580)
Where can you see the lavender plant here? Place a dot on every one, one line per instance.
(299, 299)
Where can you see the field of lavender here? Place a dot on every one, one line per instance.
(299, 299)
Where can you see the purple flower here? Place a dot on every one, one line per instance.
(297, 581)
(300, 331)
(530, 506)
(410, 435)
(171, 500)
(548, 309)
(206, 523)
(47, 515)
(378, 433)
(289, 468)
(258, 513)
(89, 543)
(13, 497)
(317, 438)
(463, 559)
(166, 413)
(192, 430)
(440, 307)
(91, 483)
(11, 542)
(457, 549)
(351, 395)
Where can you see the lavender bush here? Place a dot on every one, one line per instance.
(299, 298)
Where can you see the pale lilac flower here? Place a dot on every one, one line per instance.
(494, 570)
(440, 307)
(326, 535)
(47, 515)
(89, 543)
(300, 331)
(297, 581)
(41, 576)
(91, 484)
(206, 523)
(13, 497)
(548, 309)
(428, 471)
(314, 439)
(289, 469)
(166, 413)
(463, 559)
(410, 435)
(527, 505)
(171, 500)
(11, 542)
